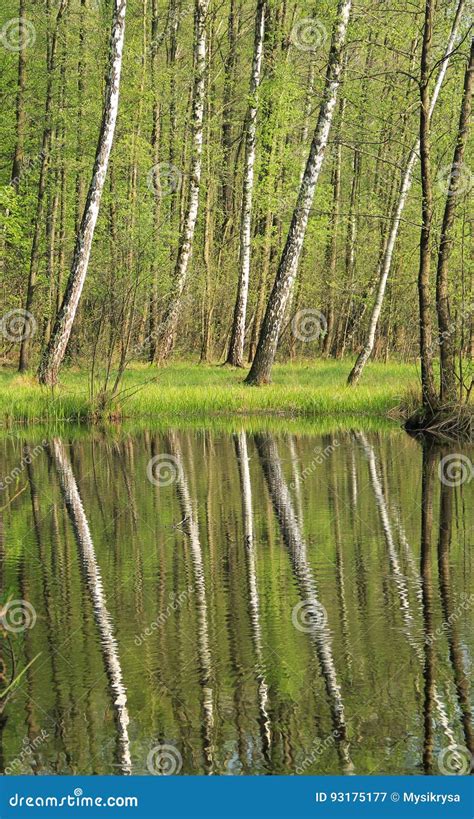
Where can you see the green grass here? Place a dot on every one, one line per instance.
(183, 391)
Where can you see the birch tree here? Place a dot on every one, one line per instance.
(387, 257)
(55, 351)
(166, 330)
(236, 348)
(288, 266)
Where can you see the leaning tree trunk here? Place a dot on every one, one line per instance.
(287, 269)
(386, 261)
(236, 347)
(54, 353)
(424, 298)
(169, 322)
(446, 345)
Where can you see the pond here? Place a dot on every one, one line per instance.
(212, 602)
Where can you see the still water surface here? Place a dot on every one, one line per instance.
(258, 603)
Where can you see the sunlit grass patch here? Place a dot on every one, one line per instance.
(185, 390)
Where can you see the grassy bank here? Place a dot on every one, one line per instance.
(183, 390)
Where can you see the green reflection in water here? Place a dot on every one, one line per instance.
(268, 602)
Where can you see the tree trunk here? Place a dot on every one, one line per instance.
(236, 347)
(54, 354)
(445, 326)
(266, 349)
(155, 144)
(40, 200)
(227, 105)
(169, 322)
(386, 261)
(80, 187)
(20, 105)
(331, 249)
(424, 297)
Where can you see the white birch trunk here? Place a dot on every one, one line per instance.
(191, 528)
(386, 261)
(166, 330)
(315, 624)
(236, 347)
(287, 269)
(254, 598)
(102, 617)
(54, 353)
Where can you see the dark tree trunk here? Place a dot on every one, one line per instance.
(445, 325)
(424, 272)
(40, 200)
(385, 264)
(20, 106)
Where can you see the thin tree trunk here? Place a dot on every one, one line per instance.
(287, 269)
(155, 144)
(446, 334)
(40, 200)
(80, 187)
(54, 353)
(169, 322)
(424, 297)
(331, 249)
(18, 156)
(227, 105)
(386, 261)
(236, 347)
